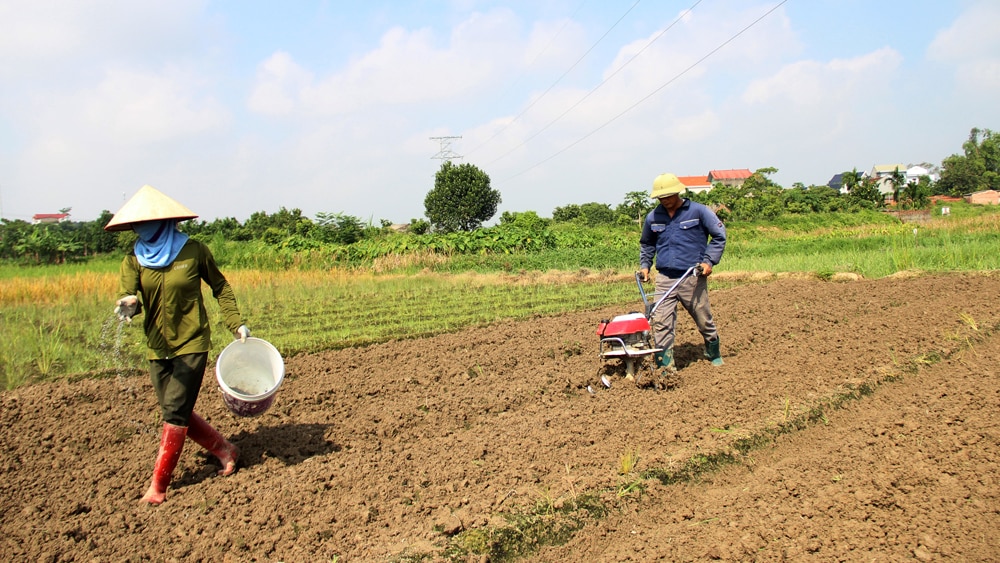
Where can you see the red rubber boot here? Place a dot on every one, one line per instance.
(209, 438)
(171, 444)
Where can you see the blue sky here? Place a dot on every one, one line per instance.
(233, 107)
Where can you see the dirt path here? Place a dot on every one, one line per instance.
(379, 453)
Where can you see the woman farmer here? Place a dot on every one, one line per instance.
(164, 276)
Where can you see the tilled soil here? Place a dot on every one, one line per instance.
(385, 453)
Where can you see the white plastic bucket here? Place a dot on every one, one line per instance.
(249, 374)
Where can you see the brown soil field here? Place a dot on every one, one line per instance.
(852, 421)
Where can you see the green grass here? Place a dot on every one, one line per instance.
(100, 264)
(296, 313)
(56, 321)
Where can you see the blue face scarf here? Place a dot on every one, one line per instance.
(159, 243)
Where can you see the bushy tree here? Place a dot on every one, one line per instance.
(283, 223)
(226, 227)
(810, 199)
(419, 226)
(527, 219)
(94, 238)
(566, 213)
(636, 206)
(339, 228)
(915, 195)
(758, 198)
(592, 213)
(866, 194)
(977, 169)
(461, 199)
(850, 179)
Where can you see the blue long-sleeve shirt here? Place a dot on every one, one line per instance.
(692, 236)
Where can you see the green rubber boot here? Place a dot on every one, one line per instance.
(712, 352)
(665, 361)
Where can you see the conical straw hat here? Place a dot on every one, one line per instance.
(148, 204)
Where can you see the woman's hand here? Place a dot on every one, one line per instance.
(242, 333)
(127, 307)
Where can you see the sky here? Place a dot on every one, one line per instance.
(233, 107)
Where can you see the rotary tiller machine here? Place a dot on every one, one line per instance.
(629, 337)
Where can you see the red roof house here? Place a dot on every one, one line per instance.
(49, 217)
(734, 177)
(696, 184)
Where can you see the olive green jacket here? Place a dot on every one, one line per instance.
(175, 318)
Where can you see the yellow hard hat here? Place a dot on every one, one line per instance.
(666, 184)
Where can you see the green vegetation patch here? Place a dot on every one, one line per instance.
(528, 530)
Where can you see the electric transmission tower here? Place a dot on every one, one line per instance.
(445, 153)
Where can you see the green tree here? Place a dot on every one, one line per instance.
(419, 226)
(758, 198)
(810, 199)
(866, 194)
(851, 179)
(12, 231)
(977, 169)
(636, 205)
(94, 238)
(525, 219)
(46, 244)
(226, 227)
(339, 228)
(916, 195)
(566, 213)
(281, 224)
(897, 180)
(461, 199)
(594, 213)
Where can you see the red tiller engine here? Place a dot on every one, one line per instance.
(626, 336)
(629, 337)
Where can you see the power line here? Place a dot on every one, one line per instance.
(643, 99)
(563, 75)
(603, 82)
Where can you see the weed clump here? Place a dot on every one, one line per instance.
(527, 530)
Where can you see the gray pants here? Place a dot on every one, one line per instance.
(693, 295)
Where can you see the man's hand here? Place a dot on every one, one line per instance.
(706, 269)
(127, 307)
(644, 274)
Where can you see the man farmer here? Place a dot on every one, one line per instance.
(681, 233)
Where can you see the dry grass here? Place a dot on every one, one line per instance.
(51, 290)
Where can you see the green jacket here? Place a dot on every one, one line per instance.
(175, 319)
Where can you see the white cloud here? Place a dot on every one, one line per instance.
(105, 95)
(973, 35)
(140, 107)
(408, 67)
(972, 45)
(43, 35)
(982, 77)
(813, 83)
(278, 86)
(551, 43)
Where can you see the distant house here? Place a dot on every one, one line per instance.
(914, 173)
(985, 197)
(733, 178)
(837, 182)
(882, 173)
(49, 218)
(696, 184)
